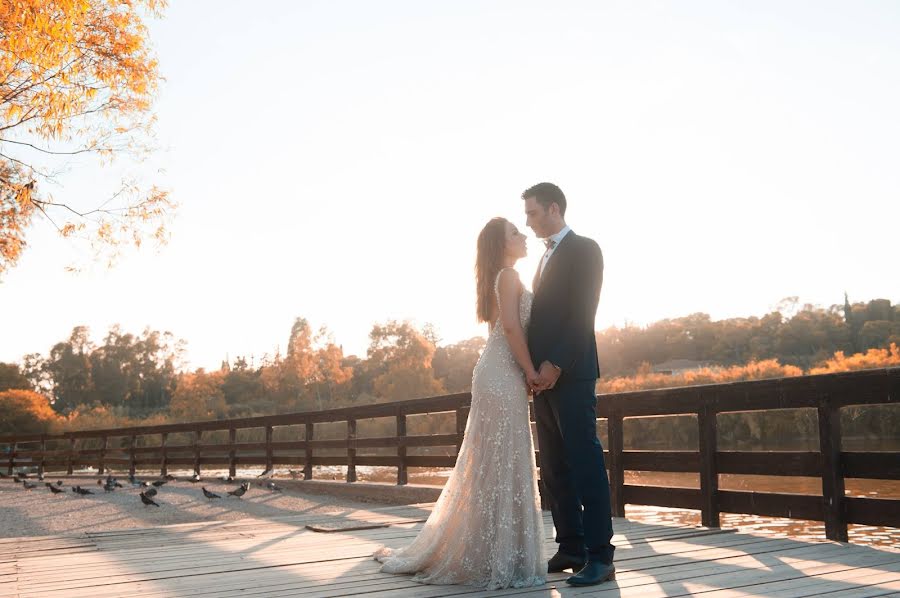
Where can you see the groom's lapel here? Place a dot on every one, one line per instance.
(561, 248)
(540, 278)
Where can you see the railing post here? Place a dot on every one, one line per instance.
(12, 457)
(402, 473)
(101, 462)
(832, 472)
(232, 452)
(615, 466)
(43, 450)
(709, 472)
(131, 464)
(268, 448)
(196, 444)
(307, 466)
(351, 450)
(71, 456)
(163, 444)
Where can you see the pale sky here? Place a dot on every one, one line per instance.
(336, 160)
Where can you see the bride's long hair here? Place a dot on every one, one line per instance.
(488, 263)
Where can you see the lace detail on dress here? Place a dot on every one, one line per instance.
(486, 529)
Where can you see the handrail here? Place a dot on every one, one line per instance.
(826, 393)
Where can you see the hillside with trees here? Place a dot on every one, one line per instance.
(128, 378)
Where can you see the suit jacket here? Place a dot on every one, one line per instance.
(565, 306)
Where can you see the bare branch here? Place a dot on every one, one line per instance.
(28, 166)
(54, 152)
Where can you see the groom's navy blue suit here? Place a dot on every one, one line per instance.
(571, 456)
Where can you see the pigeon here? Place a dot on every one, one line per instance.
(41, 477)
(267, 473)
(55, 490)
(147, 500)
(47, 484)
(271, 486)
(239, 491)
(99, 482)
(21, 475)
(159, 483)
(29, 486)
(59, 482)
(194, 478)
(17, 480)
(150, 492)
(81, 491)
(118, 485)
(209, 494)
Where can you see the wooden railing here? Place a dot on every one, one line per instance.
(828, 394)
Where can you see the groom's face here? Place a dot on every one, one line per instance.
(537, 218)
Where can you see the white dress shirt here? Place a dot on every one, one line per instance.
(557, 238)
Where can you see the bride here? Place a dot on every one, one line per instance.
(486, 528)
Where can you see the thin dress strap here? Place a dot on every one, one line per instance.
(497, 293)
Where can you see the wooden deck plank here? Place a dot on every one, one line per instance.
(289, 556)
(348, 547)
(200, 549)
(281, 558)
(749, 581)
(865, 582)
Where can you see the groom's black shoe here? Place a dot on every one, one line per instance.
(562, 561)
(593, 573)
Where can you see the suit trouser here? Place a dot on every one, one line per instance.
(573, 470)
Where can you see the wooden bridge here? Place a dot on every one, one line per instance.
(283, 557)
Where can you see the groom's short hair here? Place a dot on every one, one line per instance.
(547, 194)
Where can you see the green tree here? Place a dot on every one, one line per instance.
(68, 369)
(11, 377)
(136, 372)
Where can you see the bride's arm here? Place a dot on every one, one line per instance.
(510, 289)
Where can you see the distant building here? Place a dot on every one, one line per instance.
(674, 367)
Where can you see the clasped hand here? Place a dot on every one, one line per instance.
(543, 379)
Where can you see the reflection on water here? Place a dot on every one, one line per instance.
(796, 528)
(773, 526)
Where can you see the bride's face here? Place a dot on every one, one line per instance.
(516, 245)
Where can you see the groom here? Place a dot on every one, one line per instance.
(564, 350)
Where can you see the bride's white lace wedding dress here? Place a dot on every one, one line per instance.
(486, 528)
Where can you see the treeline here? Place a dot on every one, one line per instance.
(801, 336)
(129, 379)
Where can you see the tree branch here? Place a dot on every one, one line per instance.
(28, 166)
(56, 153)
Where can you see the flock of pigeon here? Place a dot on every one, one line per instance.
(150, 489)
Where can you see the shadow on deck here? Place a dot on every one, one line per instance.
(282, 557)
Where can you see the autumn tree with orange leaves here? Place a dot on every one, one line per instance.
(76, 79)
